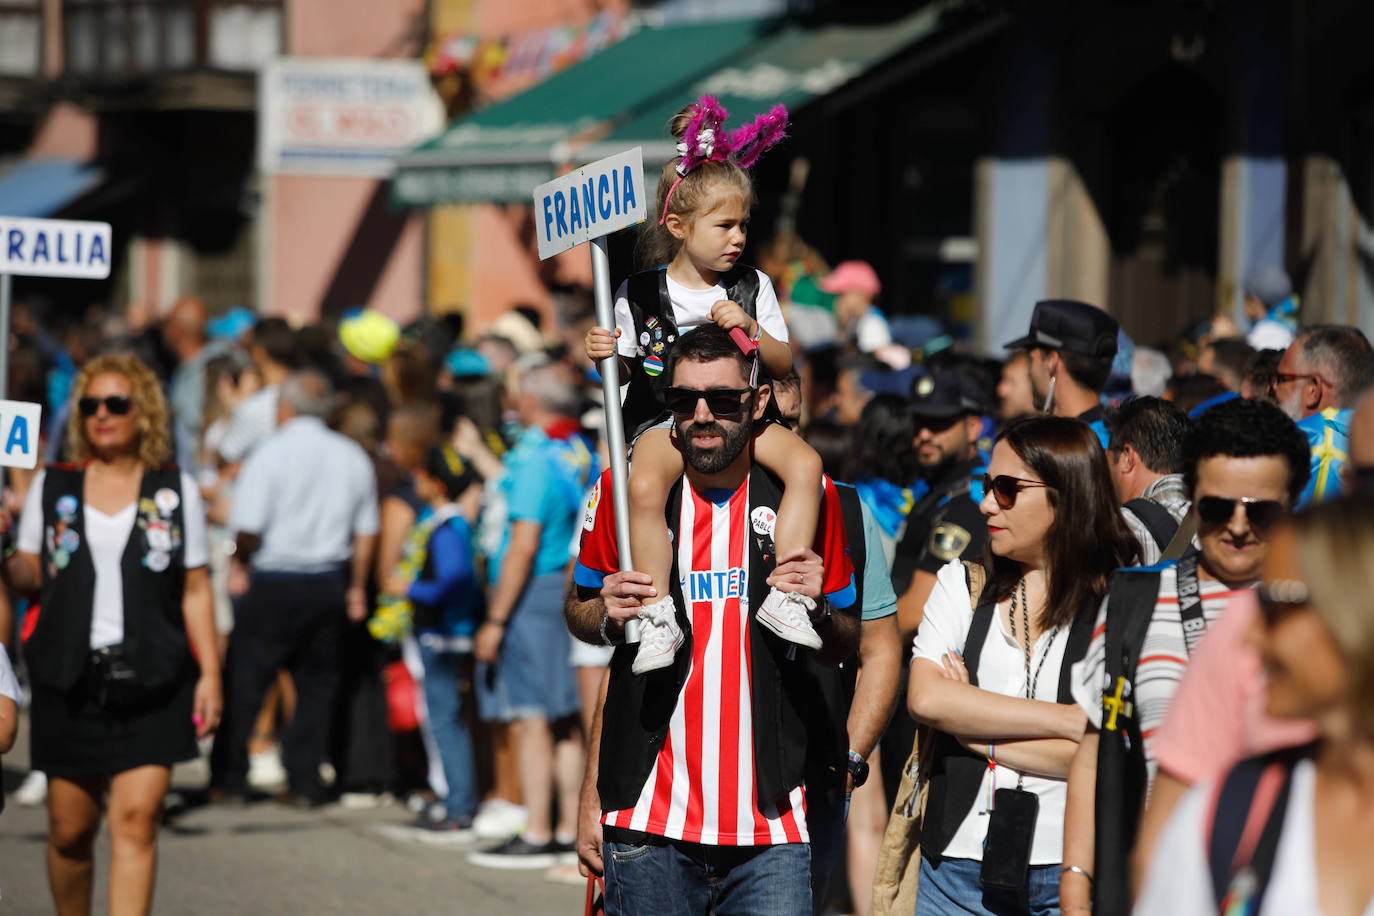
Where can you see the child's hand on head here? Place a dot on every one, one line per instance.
(728, 314)
(600, 343)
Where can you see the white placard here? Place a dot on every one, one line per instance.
(592, 201)
(19, 426)
(54, 248)
(343, 117)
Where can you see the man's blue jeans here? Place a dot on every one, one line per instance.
(687, 879)
(444, 703)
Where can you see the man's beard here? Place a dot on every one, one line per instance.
(934, 470)
(715, 460)
(1292, 405)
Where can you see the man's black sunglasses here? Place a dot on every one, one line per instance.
(116, 404)
(1005, 488)
(1262, 513)
(724, 403)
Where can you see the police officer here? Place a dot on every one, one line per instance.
(1070, 346)
(946, 524)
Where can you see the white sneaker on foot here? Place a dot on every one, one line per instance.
(33, 791)
(265, 771)
(788, 614)
(498, 819)
(659, 636)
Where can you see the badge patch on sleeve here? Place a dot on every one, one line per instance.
(948, 540)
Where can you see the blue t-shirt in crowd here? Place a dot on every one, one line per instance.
(546, 480)
(1328, 435)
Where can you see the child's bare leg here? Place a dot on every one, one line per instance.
(789, 457)
(657, 464)
(788, 614)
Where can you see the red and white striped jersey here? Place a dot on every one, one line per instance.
(701, 788)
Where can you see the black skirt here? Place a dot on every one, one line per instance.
(71, 736)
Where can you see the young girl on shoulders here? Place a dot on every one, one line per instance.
(702, 217)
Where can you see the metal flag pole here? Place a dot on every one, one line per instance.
(615, 419)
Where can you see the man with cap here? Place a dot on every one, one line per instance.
(945, 525)
(1071, 347)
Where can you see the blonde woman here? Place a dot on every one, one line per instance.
(115, 546)
(1315, 636)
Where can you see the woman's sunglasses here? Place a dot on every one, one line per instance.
(724, 403)
(1280, 597)
(1005, 488)
(116, 404)
(1262, 513)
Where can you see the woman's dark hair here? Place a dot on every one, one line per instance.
(1247, 428)
(882, 443)
(1088, 540)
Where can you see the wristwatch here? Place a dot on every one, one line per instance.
(858, 769)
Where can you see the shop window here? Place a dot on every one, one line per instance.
(129, 37)
(21, 37)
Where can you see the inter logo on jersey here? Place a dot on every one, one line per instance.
(715, 584)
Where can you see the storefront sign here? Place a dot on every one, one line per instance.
(343, 117)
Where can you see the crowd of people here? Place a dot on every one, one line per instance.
(1084, 629)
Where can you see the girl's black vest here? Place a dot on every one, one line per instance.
(957, 774)
(58, 649)
(652, 311)
(795, 737)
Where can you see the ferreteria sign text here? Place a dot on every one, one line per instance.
(54, 248)
(590, 202)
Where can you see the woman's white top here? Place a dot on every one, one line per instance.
(1179, 882)
(106, 537)
(1001, 669)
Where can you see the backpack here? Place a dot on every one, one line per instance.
(1122, 776)
(1243, 829)
(1157, 520)
(651, 309)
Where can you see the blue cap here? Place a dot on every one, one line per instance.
(464, 362)
(232, 325)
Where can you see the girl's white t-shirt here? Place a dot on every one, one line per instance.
(1001, 669)
(1179, 882)
(106, 537)
(692, 308)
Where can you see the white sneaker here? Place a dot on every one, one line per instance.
(265, 771)
(498, 819)
(659, 636)
(33, 791)
(788, 614)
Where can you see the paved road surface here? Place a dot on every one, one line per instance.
(268, 859)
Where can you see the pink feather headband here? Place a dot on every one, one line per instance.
(705, 140)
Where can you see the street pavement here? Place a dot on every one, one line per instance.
(265, 858)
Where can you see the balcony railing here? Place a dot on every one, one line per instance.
(118, 38)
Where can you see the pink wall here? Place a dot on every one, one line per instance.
(313, 220)
(353, 28)
(313, 223)
(67, 132)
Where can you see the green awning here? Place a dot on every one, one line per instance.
(793, 66)
(501, 153)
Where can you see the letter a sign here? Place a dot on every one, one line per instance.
(54, 248)
(590, 202)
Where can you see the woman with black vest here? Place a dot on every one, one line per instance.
(115, 547)
(995, 683)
